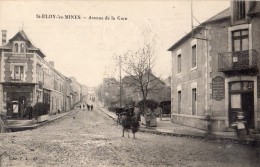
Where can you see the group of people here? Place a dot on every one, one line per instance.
(147, 113)
(89, 107)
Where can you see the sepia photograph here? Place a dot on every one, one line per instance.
(129, 83)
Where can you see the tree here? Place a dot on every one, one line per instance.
(137, 66)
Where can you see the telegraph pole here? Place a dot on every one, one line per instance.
(120, 83)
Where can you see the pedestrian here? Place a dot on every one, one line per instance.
(91, 107)
(29, 111)
(88, 107)
(137, 112)
(148, 116)
(160, 113)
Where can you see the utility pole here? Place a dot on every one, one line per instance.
(120, 83)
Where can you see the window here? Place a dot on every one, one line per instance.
(240, 40)
(193, 56)
(22, 48)
(18, 72)
(179, 102)
(16, 48)
(179, 63)
(52, 103)
(39, 73)
(194, 101)
(239, 10)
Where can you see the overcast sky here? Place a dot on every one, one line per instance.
(84, 48)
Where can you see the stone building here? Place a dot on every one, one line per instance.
(27, 78)
(215, 70)
(156, 88)
(76, 90)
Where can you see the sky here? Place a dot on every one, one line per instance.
(84, 47)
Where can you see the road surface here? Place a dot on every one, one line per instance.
(94, 139)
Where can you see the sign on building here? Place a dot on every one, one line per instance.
(218, 88)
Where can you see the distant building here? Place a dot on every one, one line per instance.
(215, 70)
(110, 91)
(76, 90)
(156, 88)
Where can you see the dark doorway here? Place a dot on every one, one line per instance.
(241, 99)
(248, 108)
(22, 106)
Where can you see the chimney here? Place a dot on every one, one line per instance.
(51, 63)
(4, 32)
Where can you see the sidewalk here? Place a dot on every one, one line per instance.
(168, 128)
(19, 125)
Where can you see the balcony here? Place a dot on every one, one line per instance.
(245, 60)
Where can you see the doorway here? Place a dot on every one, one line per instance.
(241, 99)
(16, 104)
(248, 108)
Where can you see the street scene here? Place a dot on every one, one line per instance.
(91, 138)
(130, 83)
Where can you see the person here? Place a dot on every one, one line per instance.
(160, 113)
(137, 112)
(91, 107)
(29, 111)
(88, 107)
(148, 116)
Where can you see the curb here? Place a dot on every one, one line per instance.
(35, 126)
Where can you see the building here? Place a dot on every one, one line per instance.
(156, 88)
(215, 70)
(27, 78)
(111, 91)
(76, 90)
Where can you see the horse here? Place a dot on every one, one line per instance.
(130, 122)
(119, 110)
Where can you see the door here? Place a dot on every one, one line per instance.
(248, 108)
(22, 103)
(235, 107)
(241, 99)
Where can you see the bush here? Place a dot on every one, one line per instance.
(41, 108)
(112, 108)
(150, 103)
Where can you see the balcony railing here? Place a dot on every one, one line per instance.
(237, 61)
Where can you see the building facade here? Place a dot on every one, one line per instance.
(156, 89)
(27, 78)
(215, 70)
(76, 90)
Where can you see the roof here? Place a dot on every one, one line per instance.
(131, 79)
(21, 35)
(254, 8)
(225, 14)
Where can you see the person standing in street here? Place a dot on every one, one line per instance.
(88, 107)
(148, 116)
(29, 111)
(91, 107)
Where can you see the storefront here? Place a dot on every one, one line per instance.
(16, 98)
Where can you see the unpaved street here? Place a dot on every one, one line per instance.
(93, 139)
